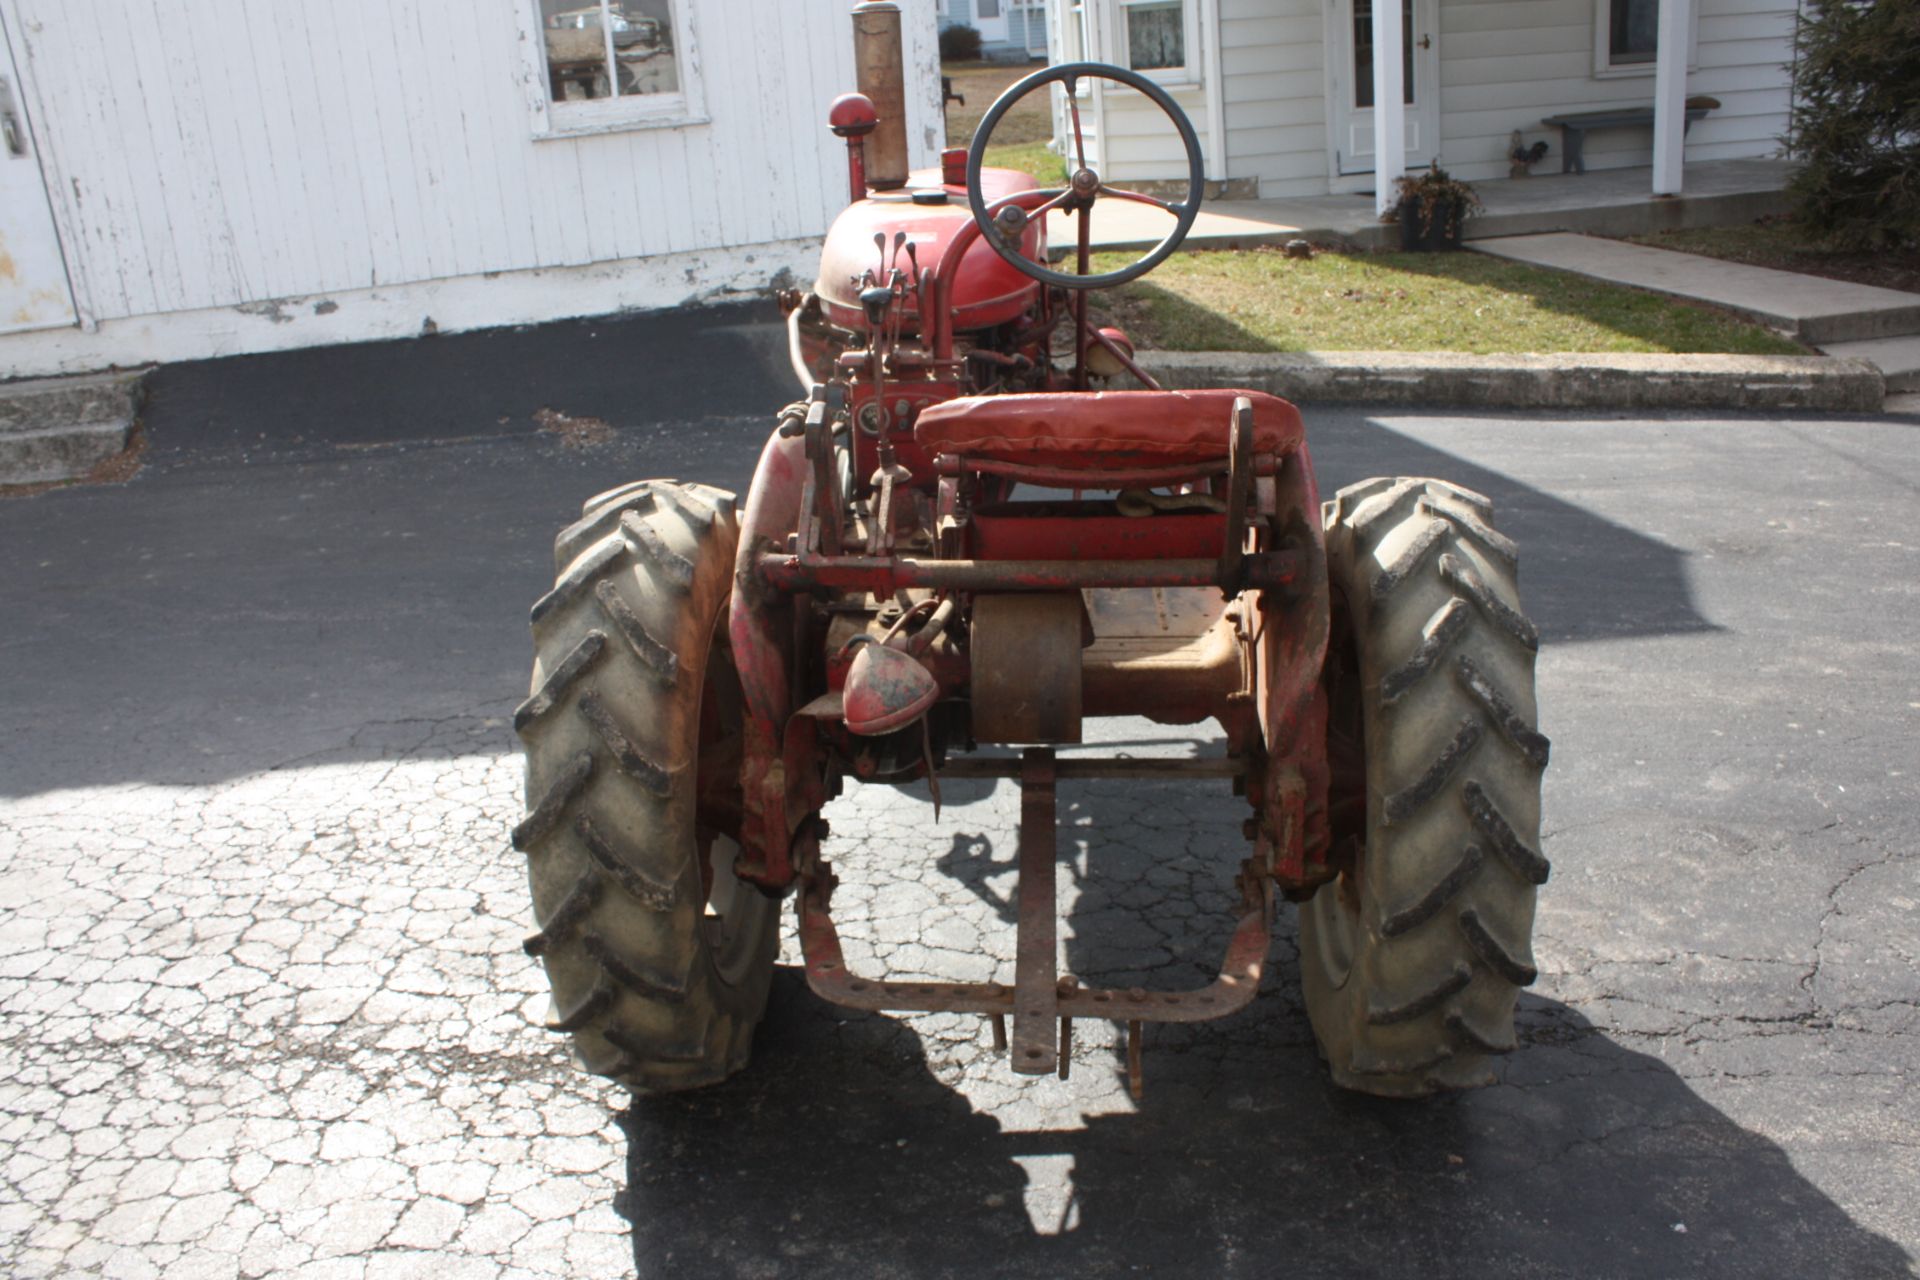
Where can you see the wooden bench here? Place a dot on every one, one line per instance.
(1573, 128)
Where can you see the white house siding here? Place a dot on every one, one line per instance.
(1140, 145)
(225, 155)
(1027, 28)
(1504, 64)
(1273, 84)
(1273, 53)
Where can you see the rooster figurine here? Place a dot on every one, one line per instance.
(1522, 157)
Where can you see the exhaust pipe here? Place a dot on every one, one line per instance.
(878, 66)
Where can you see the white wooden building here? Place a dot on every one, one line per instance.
(191, 178)
(1281, 91)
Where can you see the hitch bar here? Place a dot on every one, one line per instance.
(886, 574)
(1039, 995)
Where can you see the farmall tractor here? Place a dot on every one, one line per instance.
(961, 538)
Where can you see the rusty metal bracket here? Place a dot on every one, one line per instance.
(1233, 552)
(1036, 994)
(803, 570)
(1040, 997)
(826, 408)
(1232, 991)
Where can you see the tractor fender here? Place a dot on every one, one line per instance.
(760, 627)
(1293, 709)
(760, 619)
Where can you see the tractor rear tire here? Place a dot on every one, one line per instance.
(659, 957)
(1412, 960)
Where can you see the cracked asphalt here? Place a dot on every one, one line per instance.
(265, 1011)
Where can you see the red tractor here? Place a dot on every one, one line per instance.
(961, 539)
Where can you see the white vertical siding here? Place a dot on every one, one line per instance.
(224, 153)
(1505, 64)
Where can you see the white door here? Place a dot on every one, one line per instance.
(1350, 72)
(34, 293)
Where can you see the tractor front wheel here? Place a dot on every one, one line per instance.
(658, 955)
(1413, 958)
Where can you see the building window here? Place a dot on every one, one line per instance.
(1633, 31)
(614, 64)
(1626, 37)
(1159, 38)
(989, 9)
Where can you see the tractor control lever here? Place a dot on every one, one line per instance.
(877, 301)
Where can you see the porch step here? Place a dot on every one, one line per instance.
(1815, 310)
(1898, 359)
(61, 428)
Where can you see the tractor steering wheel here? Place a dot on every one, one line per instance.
(1003, 223)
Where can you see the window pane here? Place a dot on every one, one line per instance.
(1634, 33)
(643, 46)
(576, 39)
(1156, 36)
(989, 8)
(1363, 52)
(576, 51)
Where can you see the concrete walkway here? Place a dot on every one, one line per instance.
(1842, 318)
(1614, 201)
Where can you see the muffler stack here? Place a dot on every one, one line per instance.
(879, 68)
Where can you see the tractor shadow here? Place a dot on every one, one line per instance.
(1583, 576)
(332, 549)
(878, 1145)
(843, 1151)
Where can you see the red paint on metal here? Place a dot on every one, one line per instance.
(759, 624)
(886, 689)
(853, 116)
(1093, 430)
(1042, 536)
(1099, 478)
(983, 291)
(760, 629)
(1292, 655)
(963, 249)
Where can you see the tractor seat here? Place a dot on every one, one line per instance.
(1104, 430)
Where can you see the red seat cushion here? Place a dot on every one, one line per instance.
(1096, 430)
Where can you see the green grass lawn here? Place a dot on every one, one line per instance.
(1020, 140)
(1029, 157)
(1261, 300)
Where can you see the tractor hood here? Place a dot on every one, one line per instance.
(986, 290)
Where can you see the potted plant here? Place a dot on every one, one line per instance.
(1434, 206)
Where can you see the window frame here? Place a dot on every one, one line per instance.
(564, 119)
(1191, 73)
(1605, 68)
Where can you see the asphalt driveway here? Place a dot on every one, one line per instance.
(265, 1010)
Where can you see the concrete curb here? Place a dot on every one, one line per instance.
(1570, 381)
(54, 429)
